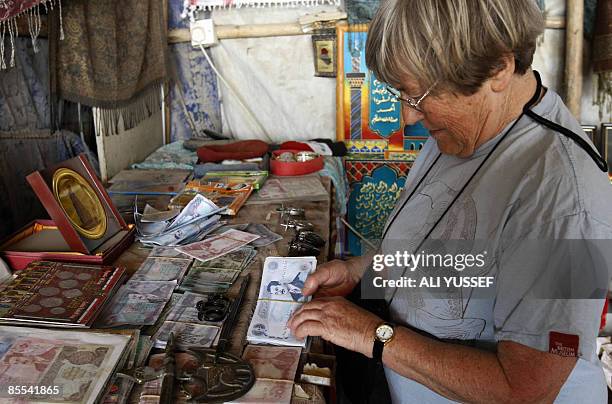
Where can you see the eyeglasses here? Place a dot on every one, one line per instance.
(413, 103)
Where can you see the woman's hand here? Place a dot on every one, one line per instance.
(333, 278)
(338, 321)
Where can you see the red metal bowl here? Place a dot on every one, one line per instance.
(290, 168)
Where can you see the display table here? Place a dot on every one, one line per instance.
(317, 212)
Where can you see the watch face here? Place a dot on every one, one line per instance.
(384, 332)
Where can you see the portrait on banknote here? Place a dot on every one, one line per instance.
(283, 279)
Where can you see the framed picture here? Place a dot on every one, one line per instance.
(324, 48)
(606, 143)
(368, 119)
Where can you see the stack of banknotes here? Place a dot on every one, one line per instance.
(177, 227)
(218, 274)
(137, 303)
(181, 318)
(280, 295)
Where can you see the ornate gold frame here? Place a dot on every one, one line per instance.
(66, 174)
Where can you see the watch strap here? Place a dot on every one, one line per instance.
(377, 350)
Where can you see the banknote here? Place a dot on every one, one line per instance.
(74, 369)
(184, 309)
(78, 363)
(118, 390)
(186, 335)
(283, 278)
(280, 295)
(266, 236)
(201, 234)
(197, 208)
(167, 252)
(193, 221)
(178, 235)
(226, 227)
(161, 269)
(203, 288)
(303, 187)
(236, 260)
(267, 391)
(273, 362)
(304, 393)
(150, 229)
(218, 245)
(269, 324)
(150, 214)
(203, 275)
(137, 303)
(240, 235)
(152, 329)
(149, 290)
(143, 349)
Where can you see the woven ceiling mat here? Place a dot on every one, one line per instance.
(191, 6)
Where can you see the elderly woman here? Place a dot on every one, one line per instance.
(506, 162)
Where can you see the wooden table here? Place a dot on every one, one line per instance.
(317, 212)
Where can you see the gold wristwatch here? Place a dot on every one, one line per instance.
(382, 336)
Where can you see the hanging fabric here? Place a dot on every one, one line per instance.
(24, 89)
(10, 11)
(602, 57)
(194, 96)
(114, 58)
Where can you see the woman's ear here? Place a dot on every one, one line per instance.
(501, 79)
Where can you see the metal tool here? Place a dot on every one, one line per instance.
(302, 249)
(298, 225)
(295, 213)
(220, 376)
(311, 238)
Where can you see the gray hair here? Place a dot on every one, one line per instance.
(458, 43)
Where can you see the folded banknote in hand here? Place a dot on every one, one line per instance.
(280, 295)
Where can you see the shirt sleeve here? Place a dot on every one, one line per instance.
(551, 286)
